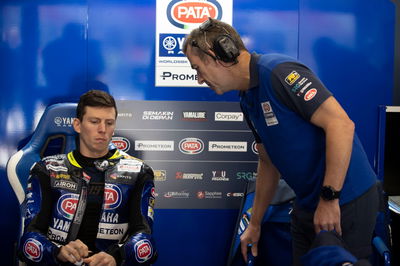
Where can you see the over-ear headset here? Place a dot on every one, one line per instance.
(224, 46)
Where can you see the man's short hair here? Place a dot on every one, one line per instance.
(95, 98)
(203, 39)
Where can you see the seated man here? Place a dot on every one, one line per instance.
(93, 205)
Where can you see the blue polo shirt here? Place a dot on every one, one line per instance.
(282, 97)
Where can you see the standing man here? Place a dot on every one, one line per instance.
(93, 205)
(302, 134)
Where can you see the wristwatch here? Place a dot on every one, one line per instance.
(329, 193)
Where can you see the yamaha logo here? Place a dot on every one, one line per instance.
(58, 121)
(171, 45)
(63, 121)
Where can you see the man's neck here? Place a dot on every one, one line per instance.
(242, 72)
(88, 160)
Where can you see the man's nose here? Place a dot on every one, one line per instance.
(102, 127)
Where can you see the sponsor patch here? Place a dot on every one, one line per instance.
(150, 212)
(109, 217)
(56, 235)
(60, 224)
(86, 177)
(304, 88)
(56, 168)
(121, 143)
(130, 162)
(292, 77)
(63, 184)
(269, 114)
(310, 94)
(33, 250)
(112, 196)
(143, 250)
(129, 168)
(66, 205)
(111, 231)
(152, 202)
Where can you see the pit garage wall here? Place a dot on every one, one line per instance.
(50, 49)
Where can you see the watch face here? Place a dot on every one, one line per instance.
(327, 193)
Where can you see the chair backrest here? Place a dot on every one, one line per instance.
(55, 123)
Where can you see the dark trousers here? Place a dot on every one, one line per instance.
(358, 219)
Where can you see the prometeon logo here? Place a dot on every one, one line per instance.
(183, 14)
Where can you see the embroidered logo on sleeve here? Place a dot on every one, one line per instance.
(269, 115)
(33, 249)
(292, 77)
(310, 94)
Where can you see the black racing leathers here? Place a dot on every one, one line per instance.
(108, 204)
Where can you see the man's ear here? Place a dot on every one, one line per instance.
(77, 125)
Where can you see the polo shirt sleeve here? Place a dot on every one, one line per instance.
(298, 88)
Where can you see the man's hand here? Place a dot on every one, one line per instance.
(250, 236)
(73, 252)
(327, 216)
(100, 259)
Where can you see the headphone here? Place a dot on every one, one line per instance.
(224, 46)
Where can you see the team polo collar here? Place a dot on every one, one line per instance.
(254, 81)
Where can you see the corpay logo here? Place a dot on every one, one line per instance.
(229, 116)
(183, 14)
